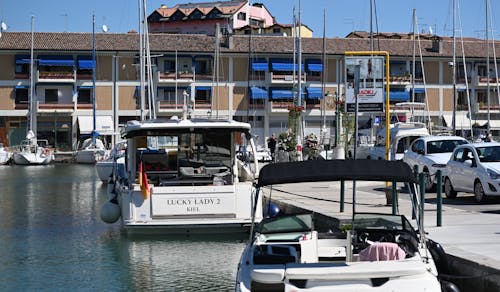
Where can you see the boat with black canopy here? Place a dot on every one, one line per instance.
(374, 252)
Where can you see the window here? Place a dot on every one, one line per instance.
(242, 16)
(22, 68)
(84, 95)
(276, 30)
(203, 96)
(51, 95)
(169, 66)
(22, 95)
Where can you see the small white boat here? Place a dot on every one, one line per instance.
(374, 252)
(5, 155)
(183, 175)
(33, 151)
(104, 167)
(90, 152)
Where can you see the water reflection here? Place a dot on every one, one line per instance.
(52, 238)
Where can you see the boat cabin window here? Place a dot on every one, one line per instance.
(187, 158)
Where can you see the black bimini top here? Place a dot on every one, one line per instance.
(335, 170)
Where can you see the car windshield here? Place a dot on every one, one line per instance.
(443, 146)
(489, 154)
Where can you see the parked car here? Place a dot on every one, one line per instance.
(431, 153)
(474, 168)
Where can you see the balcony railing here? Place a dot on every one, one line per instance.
(59, 76)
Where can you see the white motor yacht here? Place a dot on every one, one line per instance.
(184, 175)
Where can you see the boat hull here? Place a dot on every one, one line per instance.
(188, 209)
(28, 158)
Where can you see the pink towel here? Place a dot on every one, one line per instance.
(382, 251)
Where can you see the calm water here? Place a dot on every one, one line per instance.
(51, 238)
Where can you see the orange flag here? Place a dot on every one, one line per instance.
(143, 182)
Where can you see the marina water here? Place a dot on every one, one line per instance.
(51, 238)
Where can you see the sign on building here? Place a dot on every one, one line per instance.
(371, 83)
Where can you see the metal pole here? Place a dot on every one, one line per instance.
(356, 92)
(421, 177)
(395, 206)
(342, 195)
(94, 77)
(439, 198)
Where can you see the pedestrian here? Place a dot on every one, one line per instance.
(271, 144)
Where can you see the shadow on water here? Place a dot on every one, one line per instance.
(52, 238)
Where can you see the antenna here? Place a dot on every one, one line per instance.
(3, 26)
(430, 29)
(104, 28)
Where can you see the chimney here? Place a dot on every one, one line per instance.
(163, 6)
(437, 45)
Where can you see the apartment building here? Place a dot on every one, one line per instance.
(254, 82)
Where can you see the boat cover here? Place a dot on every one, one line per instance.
(335, 170)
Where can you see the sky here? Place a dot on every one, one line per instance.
(342, 16)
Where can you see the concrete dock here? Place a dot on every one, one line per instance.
(471, 239)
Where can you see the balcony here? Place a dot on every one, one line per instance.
(58, 107)
(284, 78)
(59, 76)
(483, 81)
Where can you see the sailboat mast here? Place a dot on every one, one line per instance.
(299, 85)
(141, 63)
(93, 81)
(32, 102)
(487, 64)
(454, 73)
(414, 58)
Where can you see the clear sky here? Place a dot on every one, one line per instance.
(342, 16)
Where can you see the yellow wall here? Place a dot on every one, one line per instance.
(240, 69)
(104, 68)
(447, 99)
(239, 101)
(126, 98)
(433, 99)
(6, 98)
(8, 67)
(126, 71)
(104, 97)
(223, 99)
(432, 72)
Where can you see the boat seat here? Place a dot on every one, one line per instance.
(382, 251)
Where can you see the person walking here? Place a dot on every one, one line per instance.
(271, 144)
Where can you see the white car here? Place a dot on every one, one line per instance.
(431, 153)
(474, 168)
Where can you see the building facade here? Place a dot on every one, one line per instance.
(256, 81)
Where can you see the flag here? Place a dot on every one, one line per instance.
(143, 182)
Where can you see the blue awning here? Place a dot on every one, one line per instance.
(56, 60)
(86, 87)
(281, 93)
(419, 90)
(204, 88)
(399, 96)
(22, 59)
(85, 62)
(22, 86)
(314, 93)
(314, 65)
(258, 92)
(260, 65)
(284, 65)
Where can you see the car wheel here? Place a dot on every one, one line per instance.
(448, 189)
(479, 192)
(429, 184)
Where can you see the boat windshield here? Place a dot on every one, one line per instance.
(194, 158)
(381, 221)
(284, 224)
(443, 146)
(489, 154)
